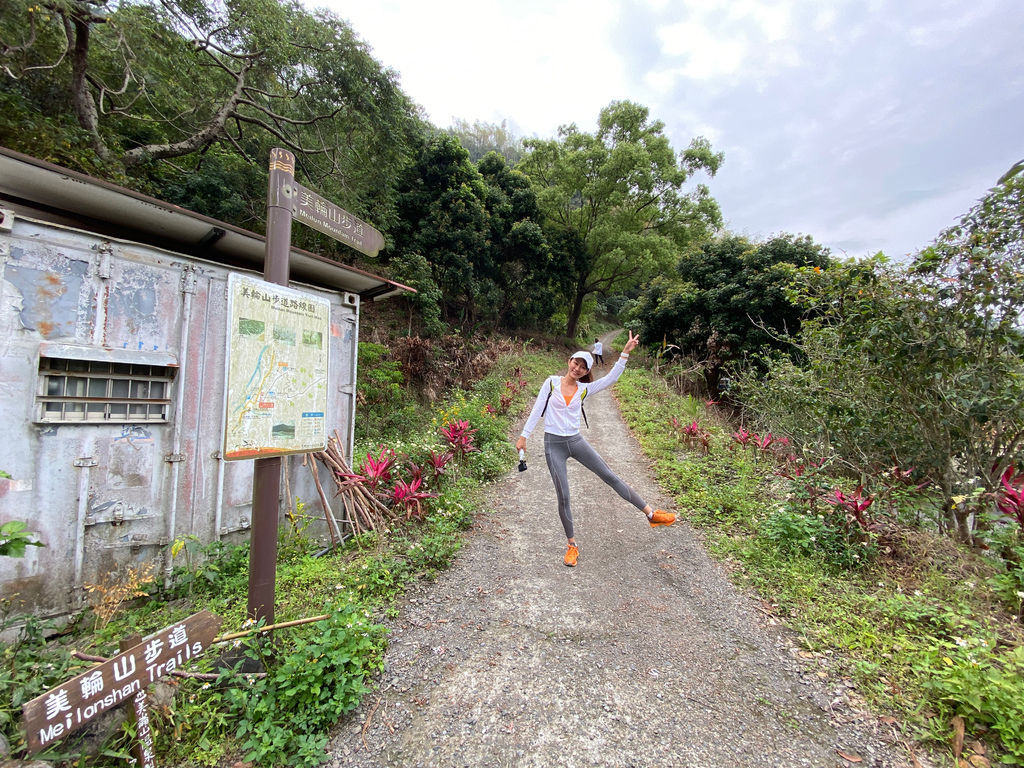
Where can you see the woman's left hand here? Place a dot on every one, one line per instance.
(631, 344)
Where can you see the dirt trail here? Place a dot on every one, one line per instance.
(643, 655)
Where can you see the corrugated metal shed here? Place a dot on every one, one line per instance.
(113, 334)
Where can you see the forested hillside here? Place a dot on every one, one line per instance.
(183, 101)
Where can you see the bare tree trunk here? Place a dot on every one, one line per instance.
(574, 312)
(77, 28)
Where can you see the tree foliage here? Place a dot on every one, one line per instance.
(158, 95)
(518, 259)
(469, 241)
(920, 366)
(443, 224)
(728, 298)
(618, 193)
(480, 138)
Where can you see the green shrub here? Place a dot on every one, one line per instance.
(212, 569)
(29, 666)
(283, 719)
(985, 689)
(797, 532)
(384, 406)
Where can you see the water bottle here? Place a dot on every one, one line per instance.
(522, 460)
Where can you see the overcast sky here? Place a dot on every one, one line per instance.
(868, 125)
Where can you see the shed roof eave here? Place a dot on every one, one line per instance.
(49, 189)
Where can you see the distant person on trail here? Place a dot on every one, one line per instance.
(562, 397)
(598, 349)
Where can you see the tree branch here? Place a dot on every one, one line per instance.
(207, 135)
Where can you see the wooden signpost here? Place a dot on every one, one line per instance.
(287, 199)
(122, 679)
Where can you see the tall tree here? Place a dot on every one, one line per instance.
(619, 194)
(729, 298)
(443, 224)
(479, 138)
(519, 260)
(469, 241)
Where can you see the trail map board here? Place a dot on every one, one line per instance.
(278, 341)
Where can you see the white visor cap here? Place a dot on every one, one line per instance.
(586, 357)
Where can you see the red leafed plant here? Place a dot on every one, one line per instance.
(855, 505)
(1010, 500)
(377, 471)
(695, 435)
(408, 497)
(742, 437)
(512, 388)
(438, 461)
(459, 437)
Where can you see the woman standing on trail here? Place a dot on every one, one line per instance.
(563, 397)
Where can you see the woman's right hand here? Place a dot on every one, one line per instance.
(521, 443)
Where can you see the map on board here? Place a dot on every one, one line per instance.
(278, 342)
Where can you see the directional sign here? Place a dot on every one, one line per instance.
(324, 216)
(117, 681)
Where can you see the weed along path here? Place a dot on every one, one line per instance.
(643, 655)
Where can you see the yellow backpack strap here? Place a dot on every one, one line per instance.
(583, 396)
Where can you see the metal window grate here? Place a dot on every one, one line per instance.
(76, 391)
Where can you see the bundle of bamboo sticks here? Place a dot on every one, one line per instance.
(363, 510)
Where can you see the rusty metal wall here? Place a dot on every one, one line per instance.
(103, 496)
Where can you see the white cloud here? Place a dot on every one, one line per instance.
(706, 56)
(870, 124)
(541, 64)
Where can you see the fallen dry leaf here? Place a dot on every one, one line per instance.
(977, 761)
(958, 736)
(851, 758)
(977, 747)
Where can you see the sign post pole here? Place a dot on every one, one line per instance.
(139, 715)
(288, 200)
(266, 482)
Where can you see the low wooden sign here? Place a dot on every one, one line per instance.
(68, 707)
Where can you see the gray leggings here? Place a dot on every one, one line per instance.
(558, 450)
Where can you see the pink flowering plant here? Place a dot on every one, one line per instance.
(741, 437)
(377, 471)
(438, 462)
(855, 505)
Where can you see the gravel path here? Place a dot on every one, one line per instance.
(643, 655)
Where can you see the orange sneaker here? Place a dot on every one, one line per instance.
(661, 517)
(571, 556)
